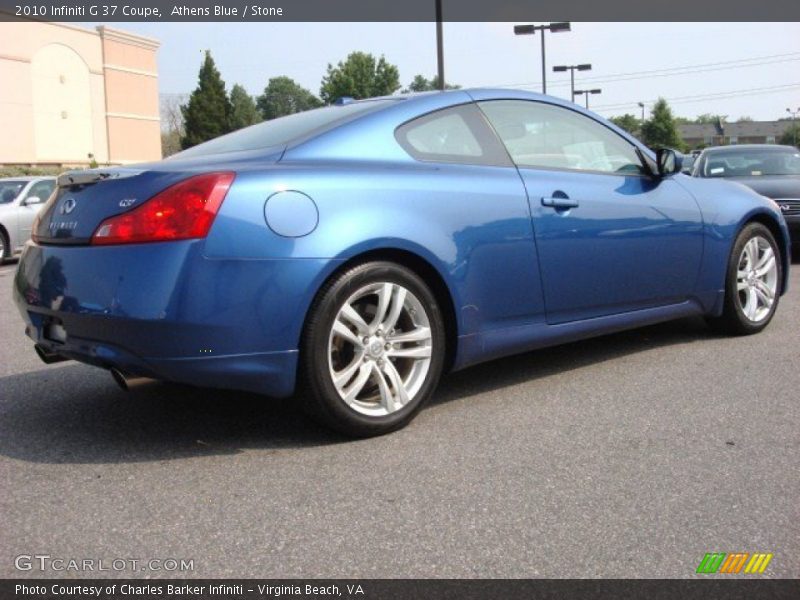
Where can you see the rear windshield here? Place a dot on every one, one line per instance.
(10, 190)
(281, 131)
(752, 162)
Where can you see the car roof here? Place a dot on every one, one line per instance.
(410, 106)
(767, 147)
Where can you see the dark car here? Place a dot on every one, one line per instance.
(772, 171)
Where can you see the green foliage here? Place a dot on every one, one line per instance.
(243, 109)
(660, 130)
(791, 137)
(709, 119)
(359, 76)
(421, 84)
(628, 122)
(283, 96)
(207, 115)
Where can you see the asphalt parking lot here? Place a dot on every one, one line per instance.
(629, 455)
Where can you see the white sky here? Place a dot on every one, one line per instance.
(488, 54)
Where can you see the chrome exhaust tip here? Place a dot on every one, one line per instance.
(48, 357)
(129, 382)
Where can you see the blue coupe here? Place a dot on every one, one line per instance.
(356, 252)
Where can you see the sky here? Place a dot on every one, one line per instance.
(734, 69)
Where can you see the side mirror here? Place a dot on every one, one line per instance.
(32, 200)
(669, 161)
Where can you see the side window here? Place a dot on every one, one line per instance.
(458, 134)
(42, 190)
(551, 137)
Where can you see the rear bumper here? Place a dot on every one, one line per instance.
(167, 312)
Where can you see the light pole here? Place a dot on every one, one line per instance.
(641, 105)
(793, 114)
(586, 94)
(572, 69)
(532, 29)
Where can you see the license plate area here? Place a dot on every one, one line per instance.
(53, 331)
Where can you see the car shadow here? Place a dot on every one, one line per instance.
(76, 414)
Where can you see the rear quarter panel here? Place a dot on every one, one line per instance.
(471, 224)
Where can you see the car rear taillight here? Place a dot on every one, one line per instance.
(183, 211)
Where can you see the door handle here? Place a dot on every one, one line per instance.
(559, 201)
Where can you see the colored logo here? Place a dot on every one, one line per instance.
(720, 562)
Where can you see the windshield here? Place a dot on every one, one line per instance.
(753, 162)
(280, 131)
(10, 190)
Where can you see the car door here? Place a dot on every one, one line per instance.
(29, 206)
(473, 194)
(610, 237)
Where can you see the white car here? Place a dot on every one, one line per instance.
(21, 198)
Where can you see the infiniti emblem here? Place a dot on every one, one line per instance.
(68, 206)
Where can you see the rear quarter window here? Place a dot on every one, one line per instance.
(457, 134)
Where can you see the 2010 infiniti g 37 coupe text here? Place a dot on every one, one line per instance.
(358, 251)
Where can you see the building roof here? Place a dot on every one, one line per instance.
(741, 129)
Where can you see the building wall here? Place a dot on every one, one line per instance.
(62, 98)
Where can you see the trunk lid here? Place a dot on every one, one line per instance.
(84, 199)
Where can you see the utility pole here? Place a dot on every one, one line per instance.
(439, 44)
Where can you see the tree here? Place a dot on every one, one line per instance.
(791, 137)
(660, 129)
(243, 109)
(359, 76)
(172, 129)
(628, 122)
(207, 114)
(283, 96)
(421, 84)
(744, 119)
(709, 119)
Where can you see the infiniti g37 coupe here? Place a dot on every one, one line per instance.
(356, 252)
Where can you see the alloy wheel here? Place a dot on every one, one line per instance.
(380, 348)
(757, 279)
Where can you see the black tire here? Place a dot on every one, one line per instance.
(5, 247)
(733, 320)
(319, 396)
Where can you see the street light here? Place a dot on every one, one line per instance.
(586, 94)
(572, 69)
(793, 114)
(532, 29)
(641, 105)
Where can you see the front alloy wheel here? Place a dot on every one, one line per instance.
(372, 356)
(752, 283)
(757, 279)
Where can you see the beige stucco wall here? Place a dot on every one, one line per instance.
(66, 92)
